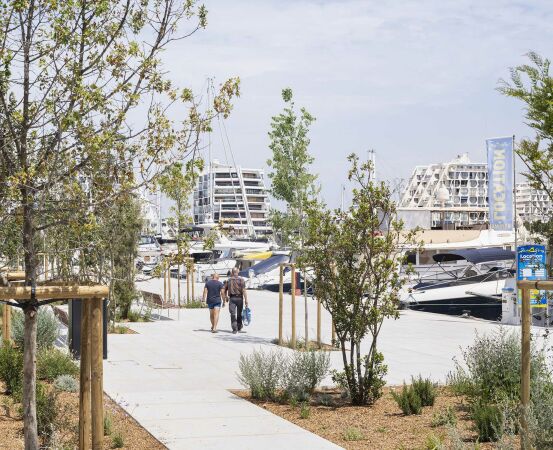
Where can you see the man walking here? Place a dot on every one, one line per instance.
(213, 296)
(235, 290)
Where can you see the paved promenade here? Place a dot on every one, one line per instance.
(174, 376)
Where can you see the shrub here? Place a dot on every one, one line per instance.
(353, 434)
(304, 371)
(433, 442)
(443, 417)
(408, 400)
(66, 383)
(261, 372)
(425, 389)
(47, 328)
(488, 421)
(117, 441)
(305, 411)
(46, 411)
(326, 400)
(51, 363)
(11, 367)
(108, 425)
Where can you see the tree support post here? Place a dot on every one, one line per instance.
(164, 286)
(97, 370)
(192, 279)
(280, 303)
(85, 410)
(187, 283)
(293, 273)
(169, 284)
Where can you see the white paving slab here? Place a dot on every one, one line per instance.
(174, 376)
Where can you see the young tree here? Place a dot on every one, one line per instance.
(355, 257)
(177, 183)
(292, 180)
(533, 85)
(71, 74)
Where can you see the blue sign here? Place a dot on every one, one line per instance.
(531, 261)
(500, 183)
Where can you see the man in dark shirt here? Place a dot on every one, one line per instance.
(235, 290)
(213, 296)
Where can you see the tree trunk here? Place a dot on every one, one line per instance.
(29, 342)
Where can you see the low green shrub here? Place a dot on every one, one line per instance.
(117, 441)
(262, 373)
(353, 434)
(304, 371)
(52, 362)
(46, 411)
(408, 400)
(11, 367)
(47, 327)
(195, 304)
(488, 421)
(108, 425)
(433, 442)
(66, 383)
(445, 416)
(305, 411)
(425, 389)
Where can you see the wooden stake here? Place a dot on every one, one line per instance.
(319, 339)
(188, 283)
(96, 369)
(169, 284)
(280, 304)
(192, 280)
(165, 286)
(293, 273)
(84, 393)
(525, 369)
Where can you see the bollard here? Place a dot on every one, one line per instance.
(293, 273)
(280, 304)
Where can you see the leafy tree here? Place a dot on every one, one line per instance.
(355, 255)
(533, 85)
(292, 180)
(177, 183)
(71, 75)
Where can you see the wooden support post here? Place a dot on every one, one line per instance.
(164, 285)
(169, 284)
(96, 370)
(525, 369)
(192, 279)
(319, 338)
(280, 304)
(84, 393)
(188, 283)
(293, 273)
(333, 338)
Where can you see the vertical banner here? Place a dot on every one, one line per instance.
(500, 183)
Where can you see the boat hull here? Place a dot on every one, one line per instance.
(481, 307)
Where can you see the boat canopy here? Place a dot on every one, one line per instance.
(476, 255)
(267, 265)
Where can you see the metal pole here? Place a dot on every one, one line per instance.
(319, 340)
(293, 273)
(169, 283)
(525, 369)
(515, 201)
(280, 304)
(164, 286)
(192, 279)
(306, 312)
(84, 387)
(187, 284)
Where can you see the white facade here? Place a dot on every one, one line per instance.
(456, 194)
(234, 196)
(533, 204)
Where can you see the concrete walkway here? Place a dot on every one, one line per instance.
(174, 376)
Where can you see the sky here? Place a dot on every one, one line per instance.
(414, 80)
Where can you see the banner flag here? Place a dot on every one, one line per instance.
(500, 183)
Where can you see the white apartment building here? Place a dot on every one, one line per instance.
(533, 204)
(456, 195)
(455, 192)
(234, 196)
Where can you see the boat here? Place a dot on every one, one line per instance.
(473, 289)
(148, 251)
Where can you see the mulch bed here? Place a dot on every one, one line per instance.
(382, 425)
(134, 436)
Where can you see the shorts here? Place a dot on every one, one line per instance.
(214, 305)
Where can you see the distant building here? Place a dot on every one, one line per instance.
(533, 204)
(454, 195)
(234, 196)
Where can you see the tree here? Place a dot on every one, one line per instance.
(292, 180)
(355, 257)
(177, 183)
(533, 85)
(71, 76)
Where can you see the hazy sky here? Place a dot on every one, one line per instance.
(414, 80)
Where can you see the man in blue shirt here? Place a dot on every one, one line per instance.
(213, 296)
